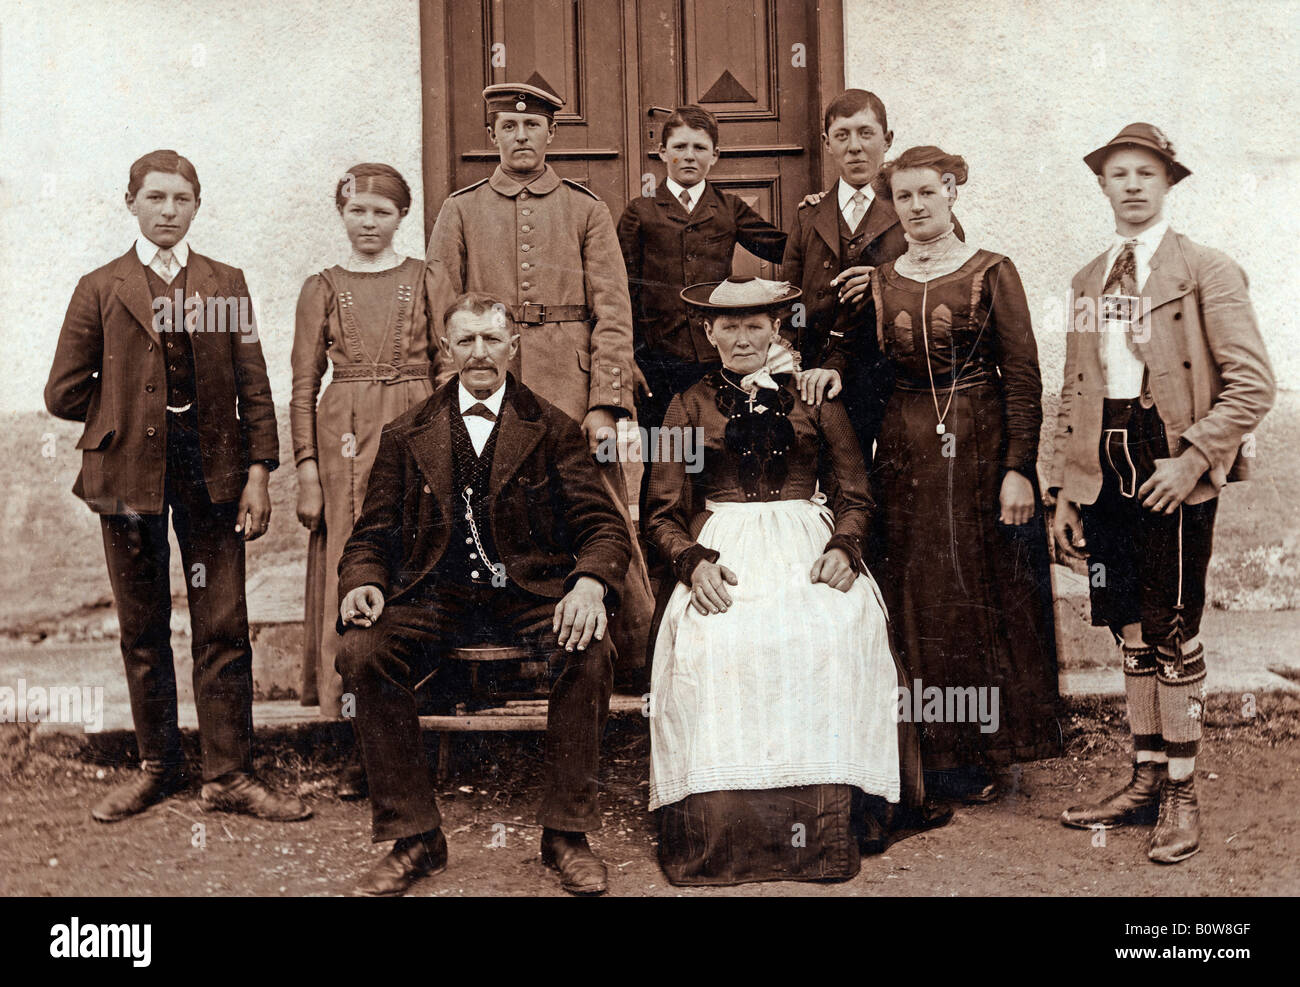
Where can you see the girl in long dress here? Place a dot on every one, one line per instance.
(367, 319)
(774, 687)
(961, 545)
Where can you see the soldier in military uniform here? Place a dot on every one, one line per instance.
(546, 245)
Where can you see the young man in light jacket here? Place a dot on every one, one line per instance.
(1166, 377)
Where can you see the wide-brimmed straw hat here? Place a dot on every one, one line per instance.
(737, 295)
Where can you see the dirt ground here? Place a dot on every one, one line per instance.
(1248, 780)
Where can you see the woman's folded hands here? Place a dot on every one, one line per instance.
(709, 581)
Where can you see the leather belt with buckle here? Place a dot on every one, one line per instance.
(380, 371)
(536, 314)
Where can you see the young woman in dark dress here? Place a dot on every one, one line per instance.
(961, 548)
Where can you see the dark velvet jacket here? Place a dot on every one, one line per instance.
(812, 259)
(550, 517)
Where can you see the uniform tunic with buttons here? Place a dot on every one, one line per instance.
(549, 243)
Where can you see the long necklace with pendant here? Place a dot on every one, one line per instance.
(939, 429)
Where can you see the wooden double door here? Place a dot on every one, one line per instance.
(764, 68)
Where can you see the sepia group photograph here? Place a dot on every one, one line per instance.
(650, 448)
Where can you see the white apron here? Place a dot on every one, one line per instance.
(793, 685)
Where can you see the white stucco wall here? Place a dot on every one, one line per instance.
(1024, 88)
(272, 103)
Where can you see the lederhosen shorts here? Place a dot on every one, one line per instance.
(1143, 566)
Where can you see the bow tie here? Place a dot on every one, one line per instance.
(480, 409)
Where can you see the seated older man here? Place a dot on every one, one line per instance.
(484, 510)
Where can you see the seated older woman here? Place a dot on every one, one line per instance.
(774, 692)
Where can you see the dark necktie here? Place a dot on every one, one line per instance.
(480, 409)
(686, 200)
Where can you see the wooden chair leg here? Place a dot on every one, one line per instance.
(443, 768)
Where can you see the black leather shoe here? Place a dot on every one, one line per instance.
(934, 813)
(411, 858)
(1136, 804)
(581, 871)
(352, 783)
(981, 789)
(241, 792)
(973, 785)
(1178, 830)
(152, 784)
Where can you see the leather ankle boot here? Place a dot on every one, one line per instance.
(411, 858)
(153, 783)
(1178, 831)
(581, 871)
(1136, 804)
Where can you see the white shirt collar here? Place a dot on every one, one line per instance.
(493, 400)
(147, 250)
(1149, 238)
(846, 194)
(695, 191)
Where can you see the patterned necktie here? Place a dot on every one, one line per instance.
(1122, 280)
(857, 209)
(685, 198)
(162, 265)
(480, 409)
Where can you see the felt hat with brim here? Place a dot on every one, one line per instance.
(1145, 136)
(740, 295)
(519, 97)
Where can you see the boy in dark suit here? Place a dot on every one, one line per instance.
(159, 356)
(684, 234)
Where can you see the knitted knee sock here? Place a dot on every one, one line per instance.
(1143, 710)
(1180, 689)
